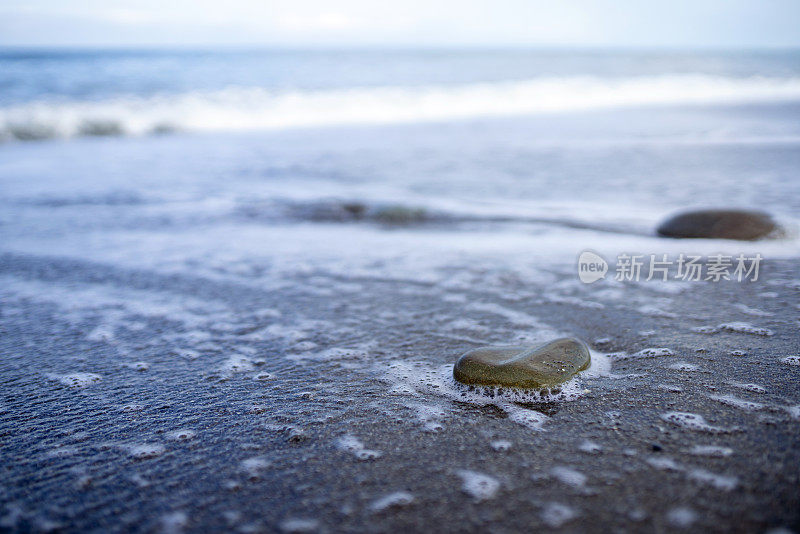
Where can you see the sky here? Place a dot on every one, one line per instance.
(321, 23)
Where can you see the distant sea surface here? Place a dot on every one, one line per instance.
(73, 93)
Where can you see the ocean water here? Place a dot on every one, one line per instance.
(228, 270)
(406, 165)
(451, 168)
(66, 94)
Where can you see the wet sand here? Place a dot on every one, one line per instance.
(209, 404)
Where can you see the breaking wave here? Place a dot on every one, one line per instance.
(242, 108)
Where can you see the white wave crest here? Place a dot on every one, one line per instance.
(240, 108)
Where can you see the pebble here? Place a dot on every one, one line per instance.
(523, 367)
(719, 224)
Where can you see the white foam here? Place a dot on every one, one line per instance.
(354, 446)
(144, 451)
(590, 447)
(429, 416)
(255, 465)
(745, 328)
(735, 327)
(501, 445)
(664, 463)
(720, 482)
(652, 352)
(691, 421)
(251, 108)
(237, 364)
(523, 416)
(420, 379)
(183, 434)
(684, 366)
(711, 450)
(736, 402)
(359, 352)
(397, 499)
(791, 360)
(479, 486)
(794, 411)
(655, 311)
(102, 333)
(555, 514)
(682, 517)
(568, 476)
(76, 380)
(753, 311)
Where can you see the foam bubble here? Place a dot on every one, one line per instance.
(354, 446)
(144, 451)
(690, 421)
(183, 434)
(794, 411)
(736, 402)
(682, 517)
(77, 380)
(500, 445)
(684, 366)
(652, 352)
(335, 354)
(720, 482)
(664, 463)
(590, 447)
(753, 311)
(791, 360)
(429, 416)
(568, 476)
(237, 364)
(711, 450)
(254, 466)
(102, 333)
(393, 500)
(555, 514)
(735, 327)
(479, 486)
(523, 416)
(138, 366)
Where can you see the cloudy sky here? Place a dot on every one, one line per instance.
(625, 23)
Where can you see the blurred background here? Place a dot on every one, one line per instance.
(600, 116)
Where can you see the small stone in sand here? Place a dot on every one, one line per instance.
(719, 224)
(523, 367)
